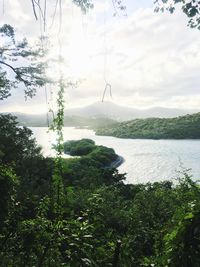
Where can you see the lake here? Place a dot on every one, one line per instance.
(145, 160)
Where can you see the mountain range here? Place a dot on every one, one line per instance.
(122, 113)
(102, 113)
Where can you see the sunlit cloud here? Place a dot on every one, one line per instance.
(149, 59)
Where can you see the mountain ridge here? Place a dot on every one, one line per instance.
(99, 111)
(122, 113)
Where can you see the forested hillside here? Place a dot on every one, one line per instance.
(184, 127)
(80, 213)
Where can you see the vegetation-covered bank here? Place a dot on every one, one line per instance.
(84, 215)
(184, 127)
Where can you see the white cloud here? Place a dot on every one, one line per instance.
(151, 59)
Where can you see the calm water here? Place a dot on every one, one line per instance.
(145, 160)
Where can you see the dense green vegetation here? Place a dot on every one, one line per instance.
(89, 218)
(184, 127)
(101, 154)
(93, 166)
(80, 147)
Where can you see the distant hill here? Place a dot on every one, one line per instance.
(121, 113)
(184, 127)
(30, 120)
(71, 121)
(102, 114)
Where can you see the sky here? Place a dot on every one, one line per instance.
(149, 59)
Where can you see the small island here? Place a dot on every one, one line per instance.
(104, 157)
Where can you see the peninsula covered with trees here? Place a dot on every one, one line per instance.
(183, 127)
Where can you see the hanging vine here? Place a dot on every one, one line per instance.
(57, 126)
(57, 188)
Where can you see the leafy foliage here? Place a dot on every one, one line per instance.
(16, 143)
(84, 4)
(20, 61)
(101, 154)
(94, 165)
(92, 218)
(80, 147)
(191, 8)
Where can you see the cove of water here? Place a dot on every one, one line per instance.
(145, 160)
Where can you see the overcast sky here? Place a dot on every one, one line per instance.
(149, 59)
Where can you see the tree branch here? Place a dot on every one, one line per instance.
(14, 70)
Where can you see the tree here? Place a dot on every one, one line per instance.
(85, 5)
(8, 183)
(20, 61)
(16, 143)
(20, 153)
(191, 8)
(24, 63)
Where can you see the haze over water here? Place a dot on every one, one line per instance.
(145, 160)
